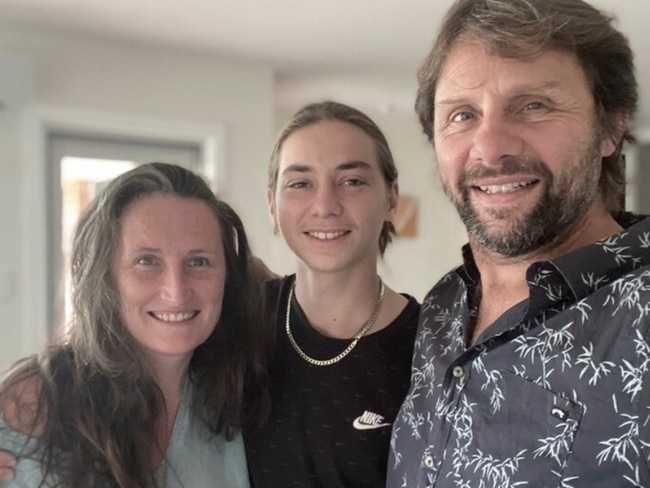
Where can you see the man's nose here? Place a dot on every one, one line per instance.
(497, 138)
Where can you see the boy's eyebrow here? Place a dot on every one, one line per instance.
(298, 168)
(355, 164)
(306, 168)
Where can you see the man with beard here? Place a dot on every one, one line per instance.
(531, 361)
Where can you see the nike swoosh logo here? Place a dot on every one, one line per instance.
(369, 420)
(359, 425)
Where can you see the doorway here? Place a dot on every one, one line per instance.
(41, 195)
(79, 166)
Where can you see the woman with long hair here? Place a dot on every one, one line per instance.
(163, 362)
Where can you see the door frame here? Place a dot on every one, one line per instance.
(632, 187)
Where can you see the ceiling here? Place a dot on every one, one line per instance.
(363, 52)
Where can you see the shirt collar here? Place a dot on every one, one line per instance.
(589, 268)
(586, 269)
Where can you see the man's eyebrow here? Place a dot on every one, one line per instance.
(450, 101)
(526, 88)
(515, 91)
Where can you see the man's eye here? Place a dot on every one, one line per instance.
(534, 106)
(462, 117)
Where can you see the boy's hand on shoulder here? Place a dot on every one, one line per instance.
(7, 463)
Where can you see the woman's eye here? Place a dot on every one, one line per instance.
(198, 261)
(146, 260)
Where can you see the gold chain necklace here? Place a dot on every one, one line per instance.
(366, 327)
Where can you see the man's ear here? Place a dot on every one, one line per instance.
(610, 142)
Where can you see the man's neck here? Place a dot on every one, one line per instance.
(503, 278)
(503, 284)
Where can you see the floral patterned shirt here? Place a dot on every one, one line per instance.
(555, 393)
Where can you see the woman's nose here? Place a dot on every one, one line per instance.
(175, 286)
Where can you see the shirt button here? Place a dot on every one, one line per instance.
(458, 372)
(429, 461)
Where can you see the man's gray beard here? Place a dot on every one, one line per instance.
(563, 204)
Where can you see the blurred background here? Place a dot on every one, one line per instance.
(88, 89)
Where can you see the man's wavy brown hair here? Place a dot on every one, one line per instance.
(524, 28)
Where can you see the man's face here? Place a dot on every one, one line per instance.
(518, 150)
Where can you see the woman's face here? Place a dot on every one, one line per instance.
(169, 271)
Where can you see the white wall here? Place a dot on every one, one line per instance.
(122, 81)
(10, 287)
(414, 264)
(126, 82)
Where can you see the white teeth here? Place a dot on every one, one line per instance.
(507, 188)
(326, 236)
(174, 317)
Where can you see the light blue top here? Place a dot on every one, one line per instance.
(195, 457)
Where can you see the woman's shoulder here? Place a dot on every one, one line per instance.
(19, 404)
(277, 291)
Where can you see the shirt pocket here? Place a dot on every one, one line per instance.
(515, 431)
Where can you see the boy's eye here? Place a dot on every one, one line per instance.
(297, 184)
(353, 182)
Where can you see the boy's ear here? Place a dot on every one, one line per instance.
(270, 201)
(393, 198)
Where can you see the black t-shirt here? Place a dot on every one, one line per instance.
(330, 426)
